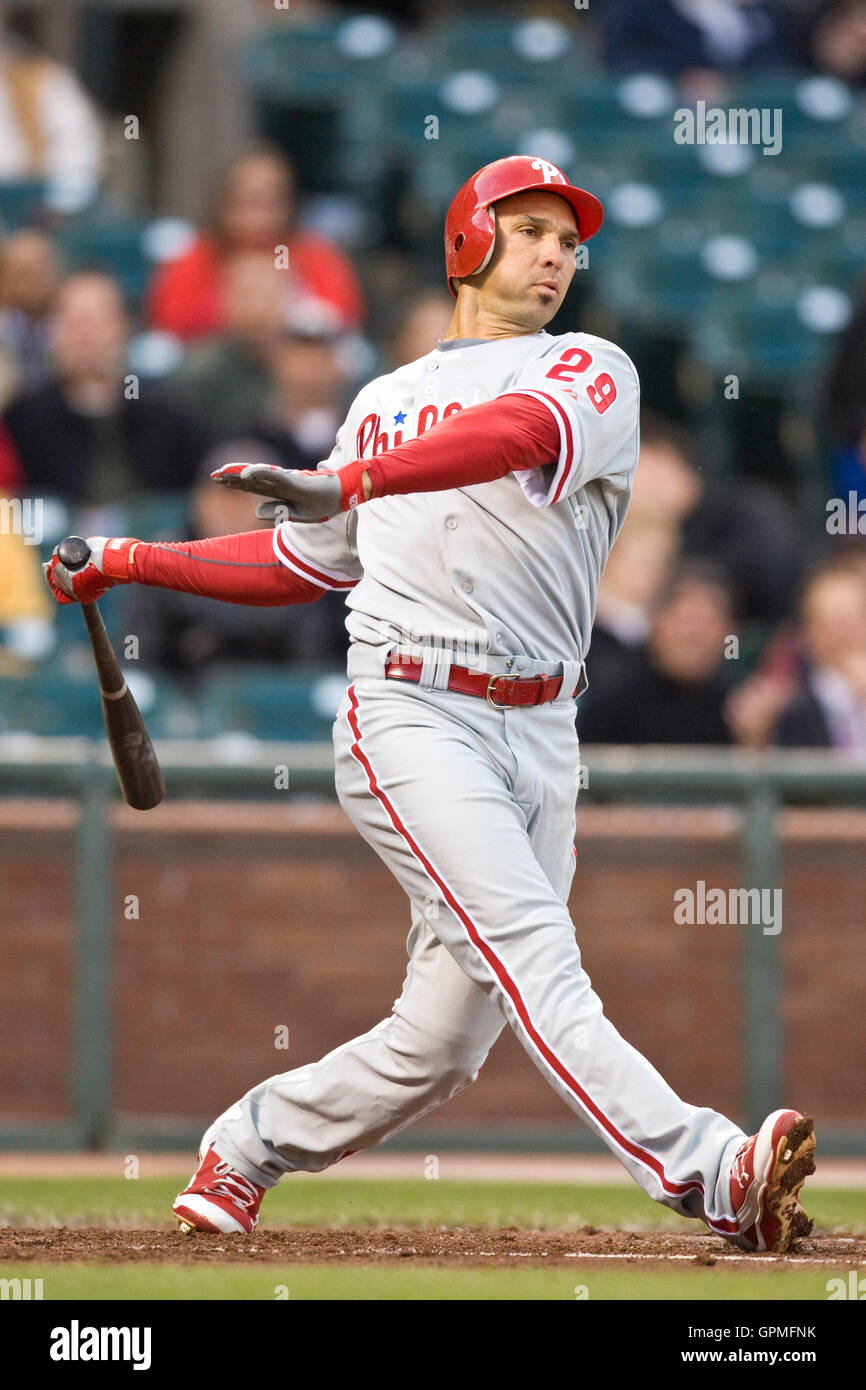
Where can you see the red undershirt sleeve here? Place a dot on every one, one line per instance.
(475, 445)
(237, 569)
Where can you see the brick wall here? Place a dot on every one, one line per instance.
(253, 917)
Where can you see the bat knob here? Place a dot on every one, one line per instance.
(73, 552)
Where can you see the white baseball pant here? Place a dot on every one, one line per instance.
(472, 809)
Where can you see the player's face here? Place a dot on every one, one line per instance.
(534, 258)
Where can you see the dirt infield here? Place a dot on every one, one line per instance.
(453, 1247)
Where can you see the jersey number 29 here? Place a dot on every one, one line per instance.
(601, 392)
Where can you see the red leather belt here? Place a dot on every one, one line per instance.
(502, 692)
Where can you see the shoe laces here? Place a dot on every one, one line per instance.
(233, 1185)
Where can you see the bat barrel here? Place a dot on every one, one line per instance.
(138, 769)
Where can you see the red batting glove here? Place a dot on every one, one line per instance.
(110, 563)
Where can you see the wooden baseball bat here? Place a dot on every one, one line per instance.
(138, 770)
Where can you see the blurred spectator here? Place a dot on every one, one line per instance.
(255, 211)
(677, 37)
(226, 382)
(184, 634)
(633, 577)
(744, 526)
(836, 40)
(297, 426)
(306, 405)
(426, 319)
(29, 276)
(830, 708)
(753, 707)
(845, 409)
(90, 435)
(673, 689)
(49, 130)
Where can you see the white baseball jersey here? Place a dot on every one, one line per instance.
(509, 567)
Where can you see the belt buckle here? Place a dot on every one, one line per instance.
(490, 699)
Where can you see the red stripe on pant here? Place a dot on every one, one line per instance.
(643, 1156)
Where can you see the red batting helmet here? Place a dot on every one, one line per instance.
(470, 230)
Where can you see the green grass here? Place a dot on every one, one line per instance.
(306, 1201)
(383, 1283)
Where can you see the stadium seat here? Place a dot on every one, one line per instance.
(50, 706)
(535, 49)
(271, 703)
(158, 516)
(21, 204)
(58, 701)
(770, 344)
(770, 91)
(115, 244)
(312, 61)
(599, 115)
(281, 63)
(660, 288)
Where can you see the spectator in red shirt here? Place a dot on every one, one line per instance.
(255, 211)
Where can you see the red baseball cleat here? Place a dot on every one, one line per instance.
(766, 1178)
(218, 1198)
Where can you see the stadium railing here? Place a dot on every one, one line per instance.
(80, 768)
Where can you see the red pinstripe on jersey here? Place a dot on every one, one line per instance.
(316, 574)
(512, 990)
(568, 459)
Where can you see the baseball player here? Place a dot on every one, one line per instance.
(467, 510)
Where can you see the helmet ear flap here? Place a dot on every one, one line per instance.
(491, 213)
(490, 236)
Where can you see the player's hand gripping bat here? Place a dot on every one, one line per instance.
(138, 770)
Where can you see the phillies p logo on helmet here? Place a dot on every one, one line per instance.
(549, 171)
